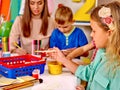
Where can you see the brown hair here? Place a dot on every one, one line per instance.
(63, 14)
(26, 20)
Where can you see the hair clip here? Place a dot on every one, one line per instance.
(105, 14)
(60, 5)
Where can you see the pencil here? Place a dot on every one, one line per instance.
(16, 45)
(45, 51)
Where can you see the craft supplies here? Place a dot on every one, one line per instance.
(17, 66)
(6, 54)
(25, 78)
(0, 47)
(48, 51)
(54, 67)
(17, 86)
(40, 80)
(5, 44)
(36, 73)
(36, 45)
(16, 45)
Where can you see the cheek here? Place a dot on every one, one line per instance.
(41, 7)
(31, 8)
(61, 29)
(101, 41)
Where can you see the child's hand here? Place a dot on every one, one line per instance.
(80, 87)
(67, 51)
(57, 55)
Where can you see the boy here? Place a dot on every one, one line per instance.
(66, 36)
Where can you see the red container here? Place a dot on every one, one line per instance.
(15, 66)
(21, 61)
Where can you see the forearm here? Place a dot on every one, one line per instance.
(70, 65)
(77, 52)
(81, 51)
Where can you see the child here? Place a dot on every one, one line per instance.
(66, 36)
(104, 72)
(81, 50)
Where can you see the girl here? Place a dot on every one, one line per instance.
(104, 72)
(34, 24)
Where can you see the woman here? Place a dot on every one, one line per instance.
(34, 24)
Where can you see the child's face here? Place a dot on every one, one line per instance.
(65, 28)
(100, 36)
(36, 7)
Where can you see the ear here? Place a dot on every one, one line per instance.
(109, 32)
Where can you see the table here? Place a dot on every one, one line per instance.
(64, 81)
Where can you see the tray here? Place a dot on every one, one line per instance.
(16, 66)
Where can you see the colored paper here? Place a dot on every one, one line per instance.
(15, 7)
(0, 5)
(5, 9)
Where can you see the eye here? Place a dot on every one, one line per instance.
(40, 2)
(32, 3)
(65, 26)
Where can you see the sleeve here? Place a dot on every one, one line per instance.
(115, 82)
(84, 72)
(14, 33)
(82, 38)
(53, 41)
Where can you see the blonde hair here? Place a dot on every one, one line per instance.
(113, 47)
(63, 14)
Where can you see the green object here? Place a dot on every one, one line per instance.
(14, 10)
(5, 29)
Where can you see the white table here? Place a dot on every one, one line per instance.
(64, 81)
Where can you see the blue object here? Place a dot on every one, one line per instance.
(12, 67)
(16, 72)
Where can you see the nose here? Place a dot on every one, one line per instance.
(91, 34)
(36, 5)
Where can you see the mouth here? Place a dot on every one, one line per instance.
(36, 11)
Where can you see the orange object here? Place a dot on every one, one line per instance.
(5, 5)
(0, 6)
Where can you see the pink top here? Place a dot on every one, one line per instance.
(26, 43)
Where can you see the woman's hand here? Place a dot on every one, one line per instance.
(19, 51)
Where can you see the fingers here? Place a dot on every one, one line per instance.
(80, 87)
(20, 51)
